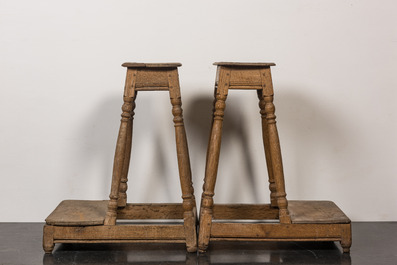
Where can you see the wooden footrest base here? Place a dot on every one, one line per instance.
(77, 221)
(311, 221)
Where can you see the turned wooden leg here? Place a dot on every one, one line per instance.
(266, 144)
(119, 168)
(276, 161)
(122, 200)
(274, 151)
(212, 160)
(185, 175)
(346, 241)
(48, 239)
(211, 173)
(119, 158)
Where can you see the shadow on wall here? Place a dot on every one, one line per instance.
(234, 134)
(311, 137)
(313, 143)
(153, 172)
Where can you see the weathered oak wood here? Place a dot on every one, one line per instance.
(93, 222)
(237, 64)
(280, 220)
(78, 212)
(151, 65)
(316, 212)
(245, 211)
(120, 232)
(185, 174)
(266, 144)
(271, 231)
(274, 146)
(48, 238)
(211, 171)
(151, 211)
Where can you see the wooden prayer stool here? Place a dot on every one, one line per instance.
(75, 221)
(280, 220)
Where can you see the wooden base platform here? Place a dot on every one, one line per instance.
(310, 221)
(78, 221)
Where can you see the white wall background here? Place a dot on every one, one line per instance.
(61, 91)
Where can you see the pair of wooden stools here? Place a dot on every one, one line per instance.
(75, 221)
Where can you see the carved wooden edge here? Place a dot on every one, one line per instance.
(245, 64)
(151, 65)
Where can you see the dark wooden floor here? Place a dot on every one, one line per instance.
(373, 243)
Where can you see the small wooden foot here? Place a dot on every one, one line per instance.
(346, 241)
(205, 228)
(190, 231)
(346, 250)
(48, 239)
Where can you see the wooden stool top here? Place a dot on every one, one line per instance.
(151, 65)
(240, 64)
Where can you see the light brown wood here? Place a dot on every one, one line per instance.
(278, 231)
(151, 211)
(274, 146)
(317, 212)
(211, 171)
(185, 175)
(120, 232)
(252, 64)
(266, 144)
(245, 212)
(151, 65)
(280, 220)
(78, 212)
(95, 221)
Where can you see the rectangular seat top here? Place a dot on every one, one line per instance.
(241, 64)
(151, 65)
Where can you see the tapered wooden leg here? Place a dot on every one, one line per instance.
(119, 158)
(212, 160)
(212, 123)
(122, 200)
(48, 239)
(211, 173)
(266, 144)
(276, 160)
(185, 175)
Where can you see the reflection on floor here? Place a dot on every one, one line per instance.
(219, 253)
(374, 243)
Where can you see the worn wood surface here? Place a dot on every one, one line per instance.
(151, 211)
(78, 218)
(213, 152)
(316, 212)
(277, 231)
(121, 232)
(245, 211)
(78, 212)
(242, 64)
(151, 65)
(315, 221)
